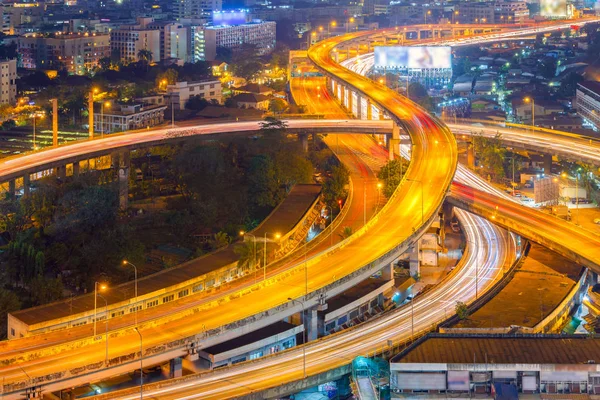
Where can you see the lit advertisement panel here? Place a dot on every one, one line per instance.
(229, 18)
(417, 57)
(553, 8)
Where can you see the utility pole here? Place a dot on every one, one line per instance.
(54, 122)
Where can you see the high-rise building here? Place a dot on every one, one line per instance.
(129, 40)
(197, 9)
(173, 40)
(79, 54)
(587, 102)
(8, 84)
(259, 33)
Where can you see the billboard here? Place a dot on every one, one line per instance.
(230, 18)
(553, 8)
(417, 57)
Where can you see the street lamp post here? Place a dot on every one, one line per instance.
(105, 325)
(277, 236)
(102, 287)
(34, 145)
(528, 100)
(125, 262)
(303, 335)
(141, 363)
(242, 233)
(330, 225)
(107, 104)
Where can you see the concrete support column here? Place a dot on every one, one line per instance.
(12, 188)
(335, 89)
(415, 262)
(387, 272)
(303, 137)
(314, 323)
(54, 122)
(26, 184)
(369, 110)
(358, 106)
(343, 95)
(123, 176)
(61, 172)
(350, 101)
(547, 164)
(394, 141)
(76, 169)
(176, 371)
(470, 155)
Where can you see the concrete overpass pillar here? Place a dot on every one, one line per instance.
(314, 322)
(350, 101)
(415, 262)
(26, 184)
(335, 88)
(61, 172)
(387, 272)
(470, 155)
(303, 137)
(358, 106)
(547, 164)
(123, 176)
(76, 169)
(369, 110)
(343, 95)
(12, 188)
(176, 371)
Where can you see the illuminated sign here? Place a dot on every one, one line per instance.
(418, 57)
(553, 8)
(230, 18)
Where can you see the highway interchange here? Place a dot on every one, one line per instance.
(433, 163)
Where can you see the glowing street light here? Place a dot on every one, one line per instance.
(102, 286)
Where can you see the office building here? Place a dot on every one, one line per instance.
(8, 85)
(208, 39)
(173, 40)
(79, 54)
(587, 102)
(179, 93)
(196, 9)
(130, 39)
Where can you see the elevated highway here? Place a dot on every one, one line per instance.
(432, 143)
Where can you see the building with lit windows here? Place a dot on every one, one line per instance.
(130, 39)
(261, 34)
(8, 84)
(79, 54)
(173, 40)
(196, 9)
(180, 93)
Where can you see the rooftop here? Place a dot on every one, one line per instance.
(591, 85)
(251, 337)
(499, 349)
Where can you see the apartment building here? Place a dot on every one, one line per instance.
(173, 40)
(130, 39)
(261, 34)
(196, 9)
(8, 84)
(79, 53)
(124, 117)
(179, 93)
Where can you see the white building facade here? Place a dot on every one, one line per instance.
(179, 93)
(8, 85)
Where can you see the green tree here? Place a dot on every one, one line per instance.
(490, 153)
(346, 232)
(277, 106)
(9, 302)
(568, 85)
(263, 188)
(145, 56)
(220, 239)
(461, 309)
(105, 63)
(391, 175)
(45, 290)
(169, 76)
(334, 188)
